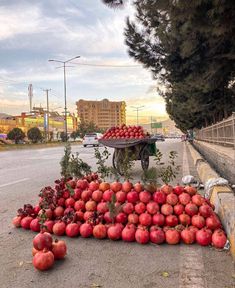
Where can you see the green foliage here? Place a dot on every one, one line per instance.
(63, 136)
(64, 163)
(87, 127)
(16, 134)
(35, 135)
(113, 209)
(103, 170)
(74, 135)
(127, 164)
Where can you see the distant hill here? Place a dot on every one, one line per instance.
(4, 115)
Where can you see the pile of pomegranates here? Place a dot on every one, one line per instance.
(125, 132)
(45, 251)
(169, 215)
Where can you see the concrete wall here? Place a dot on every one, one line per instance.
(223, 163)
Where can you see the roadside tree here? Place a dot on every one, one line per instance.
(16, 134)
(35, 135)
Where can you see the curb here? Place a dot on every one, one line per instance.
(222, 196)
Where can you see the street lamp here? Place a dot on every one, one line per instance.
(65, 96)
(137, 108)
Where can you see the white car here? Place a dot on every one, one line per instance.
(91, 139)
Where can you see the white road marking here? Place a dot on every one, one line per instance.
(191, 260)
(14, 182)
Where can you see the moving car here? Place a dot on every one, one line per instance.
(91, 139)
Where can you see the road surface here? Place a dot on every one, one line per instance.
(93, 262)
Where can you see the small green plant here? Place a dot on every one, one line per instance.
(77, 167)
(127, 164)
(64, 163)
(113, 210)
(102, 169)
(169, 172)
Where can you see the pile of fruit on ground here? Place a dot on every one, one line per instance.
(124, 211)
(125, 132)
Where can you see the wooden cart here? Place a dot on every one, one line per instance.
(137, 149)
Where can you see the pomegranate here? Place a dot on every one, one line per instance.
(72, 229)
(90, 205)
(140, 208)
(93, 185)
(126, 186)
(121, 218)
(104, 186)
(34, 251)
(35, 225)
(171, 220)
(219, 239)
(172, 199)
(42, 240)
(167, 189)
(133, 219)
(61, 201)
(194, 229)
(82, 184)
(59, 249)
(191, 209)
(88, 215)
(185, 219)
(166, 209)
(99, 231)
(213, 222)
(97, 196)
(145, 219)
(43, 260)
(138, 187)
(116, 186)
(198, 221)
(36, 209)
(204, 237)
(184, 198)
(114, 232)
(190, 190)
(159, 197)
(132, 197)
(48, 213)
(157, 235)
(142, 235)
(59, 228)
(145, 196)
(172, 236)
(79, 215)
(58, 212)
(16, 221)
(79, 205)
(86, 195)
(25, 222)
(107, 195)
(86, 230)
(77, 194)
(128, 208)
(66, 194)
(107, 217)
(198, 199)
(158, 219)
(152, 207)
(72, 183)
(188, 236)
(128, 234)
(178, 189)
(68, 210)
(102, 207)
(69, 202)
(178, 209)
(205, 210)
(121, 196)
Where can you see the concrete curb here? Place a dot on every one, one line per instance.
(222, 196)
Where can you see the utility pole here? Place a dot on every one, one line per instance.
(47, 128)
(137, 108)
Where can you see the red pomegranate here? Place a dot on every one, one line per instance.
(157, 235)
(48, 226)
(72, 229)
(43, 260)
(145, 219)
(59, 249)
(188, 236)
(86, 230)
(121, 218)
(132, 197)
(107, 217)
(116, 186)
(172, 199)
(42, 240)
(88, 215)
(25, 222)
(167, 189)
(184, 198)
(158, 219)
(145, 196)
(97, 196)
(133, 219)
(86, 195)
(185, 219)
(59, 228)
(77, 194)
(61, 201)
(138, 187)
(194, 229)
(178, 209)
(104, 186)
(166, 209)
(142, 235)
(152, 207)
(79, 205)
(140, 208)
(69, 202)
(213, 222)
(90, 205)
(204, 237)
(35, 225)
(127, 186)
(159, 197)
(172, 236)
(171, 220)
(198, 221)
(190, 190)
(219, 239)
(99, 231)
(121, 196)
(93, 185)
(16, 221)
(82, 184)
(36, 209)
(178, 189)
(102, 207)
(114, 232)
(205, 210)
(198, 200)
(128, 208)
(79, 215)
(58, 212)
(128, 234)
(107, 195)
(71, 183)
(191, 209)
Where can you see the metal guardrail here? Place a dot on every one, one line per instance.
(222, 133)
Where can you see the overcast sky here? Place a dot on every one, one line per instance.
(33, 31)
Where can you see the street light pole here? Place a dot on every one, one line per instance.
(65, 90)
(137, 108)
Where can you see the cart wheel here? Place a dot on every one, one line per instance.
(117, 165)
(145, 159)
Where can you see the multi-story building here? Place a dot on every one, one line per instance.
(104, 113)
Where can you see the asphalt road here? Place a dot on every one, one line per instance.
(91, 262)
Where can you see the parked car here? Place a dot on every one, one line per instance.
(91, 139)
(159, 137)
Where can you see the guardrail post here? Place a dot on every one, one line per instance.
(233, 123)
